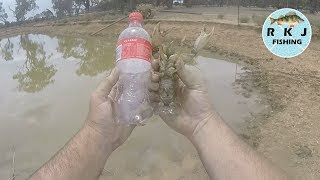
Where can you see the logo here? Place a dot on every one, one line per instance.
(286, 33)
(129, 48)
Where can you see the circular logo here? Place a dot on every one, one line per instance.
(286, 33)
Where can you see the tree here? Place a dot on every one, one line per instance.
(7, 51)
(118, 4)
(95, 2)
(22, 8)
(63, 7)
(157, 2)
(47, 14)
(44, 15)
(132, 4)
(86, 4)
(169, 3)
(3, 14)
(35, 74)
(77, 6)
(188, 3)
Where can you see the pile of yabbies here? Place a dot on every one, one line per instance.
(168, 55)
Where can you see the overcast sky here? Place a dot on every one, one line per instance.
(43, 5)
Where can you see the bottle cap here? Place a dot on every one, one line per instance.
(136, 16)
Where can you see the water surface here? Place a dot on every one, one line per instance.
(45, 88)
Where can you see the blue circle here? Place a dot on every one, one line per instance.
(291, 45)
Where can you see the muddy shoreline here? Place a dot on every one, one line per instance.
(289, 127)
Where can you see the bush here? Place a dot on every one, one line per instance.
(147, 10)
(187, 4)
(258, 20)
(244, 19)
(220, 16)
(104, 5)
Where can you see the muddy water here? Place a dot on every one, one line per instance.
(45, 88)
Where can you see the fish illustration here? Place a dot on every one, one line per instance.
(290, 18)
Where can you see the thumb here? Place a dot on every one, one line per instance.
(190, 75)
(105, 87)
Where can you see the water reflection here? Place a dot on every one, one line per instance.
(35, 73)
(61, 72)
(39, 53)
(7, 50)
(95, 56)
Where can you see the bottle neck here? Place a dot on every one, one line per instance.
(135, 24)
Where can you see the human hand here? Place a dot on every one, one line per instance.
(101, 117)
(194, 108)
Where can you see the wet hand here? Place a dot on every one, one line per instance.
(194, 108)
(101, 117)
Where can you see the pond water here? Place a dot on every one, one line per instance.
(45, 88)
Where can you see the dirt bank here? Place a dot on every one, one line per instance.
(288, 133)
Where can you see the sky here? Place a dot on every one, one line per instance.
(43, 5)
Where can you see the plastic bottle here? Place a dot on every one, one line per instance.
(133, 55)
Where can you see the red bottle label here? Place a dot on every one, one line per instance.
(134, 48)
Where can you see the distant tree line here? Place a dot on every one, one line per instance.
(22, 7)
(74, 7)
(312, 5)
(71, 7)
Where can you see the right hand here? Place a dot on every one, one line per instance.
(194, 108)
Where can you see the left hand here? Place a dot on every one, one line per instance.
(101, 117)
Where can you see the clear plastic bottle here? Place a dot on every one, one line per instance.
(133, 55)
